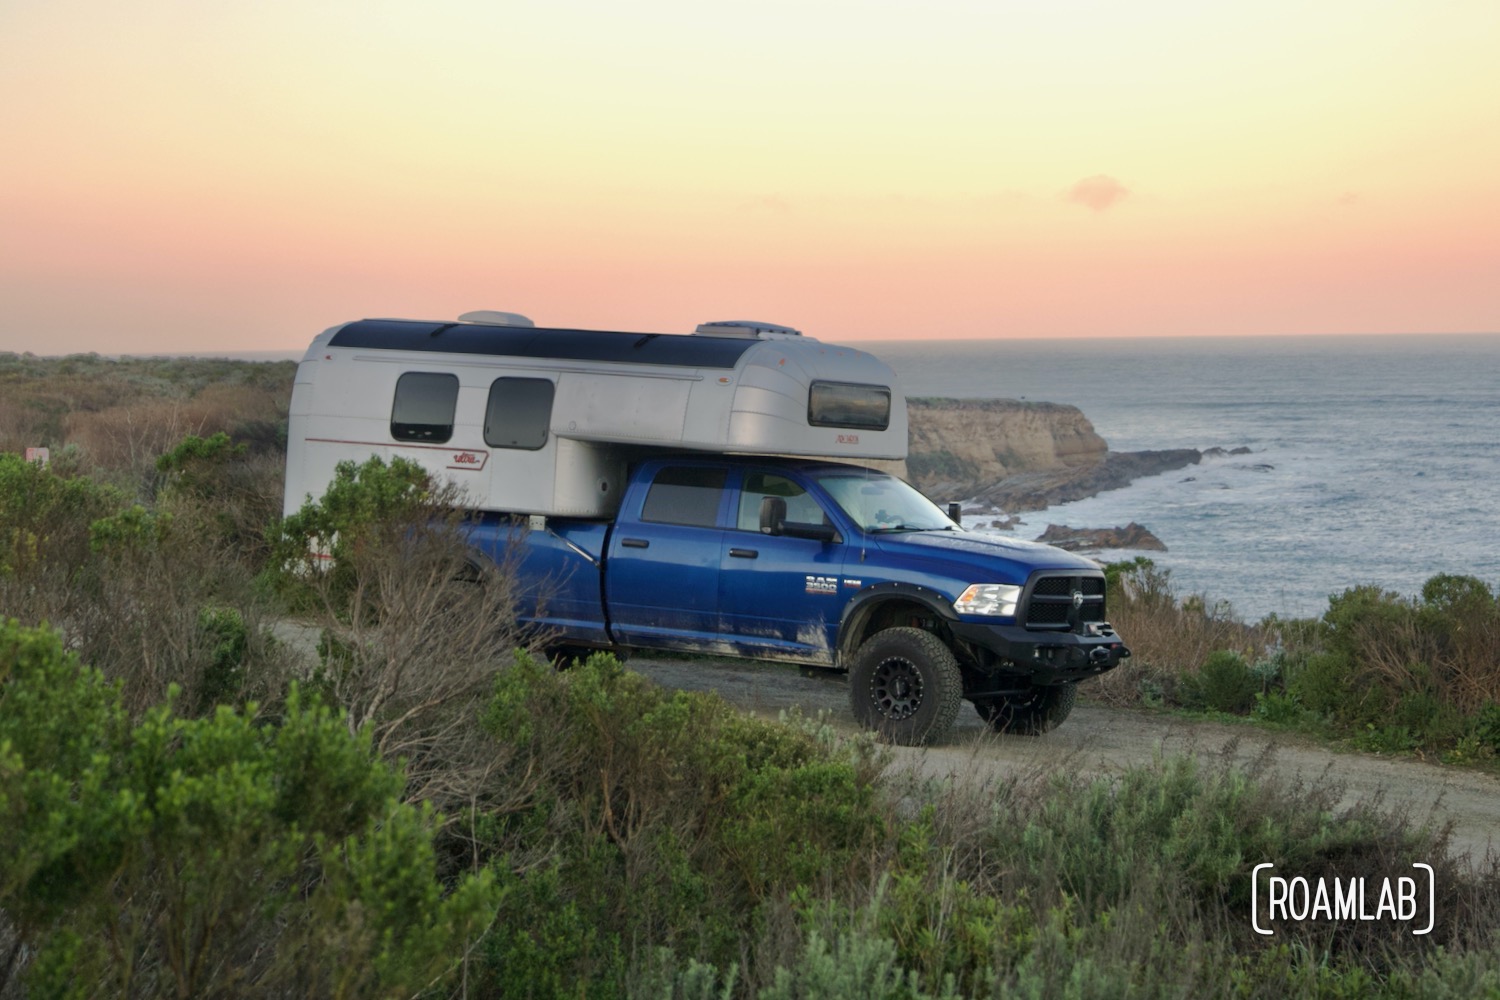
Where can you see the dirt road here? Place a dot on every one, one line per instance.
(1101, 740)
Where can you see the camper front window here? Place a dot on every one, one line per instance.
(424, 405)
(849, 404)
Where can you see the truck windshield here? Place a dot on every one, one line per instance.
(878, 502)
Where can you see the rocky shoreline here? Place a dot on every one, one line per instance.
(1030, 491)
(1007, 457)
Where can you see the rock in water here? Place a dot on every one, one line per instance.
(1132, 536)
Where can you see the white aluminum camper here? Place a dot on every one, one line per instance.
(545, 421)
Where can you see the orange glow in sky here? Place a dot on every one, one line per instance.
(198, 175)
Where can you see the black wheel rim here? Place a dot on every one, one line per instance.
(896, 688)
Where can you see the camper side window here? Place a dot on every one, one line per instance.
(685, 496)
(849, 404)
(423, 410)
(519, 413)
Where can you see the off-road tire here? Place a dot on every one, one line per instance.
(905, 684)
(1040, 711)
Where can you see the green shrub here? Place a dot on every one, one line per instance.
(45, 518)
(229, 649)
(217, 856)
(1323, 683)
(856, 965)
(195, 464)
(546, 942)
(1281, 709)
(677, 819)
(1486, 726)
(1225, 683)
(233, 493)
(361, 504)
(129, 534)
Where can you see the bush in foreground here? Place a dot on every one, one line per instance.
(223, 856)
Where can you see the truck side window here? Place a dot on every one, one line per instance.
(423, 410)
(849, 404)
(685, 496)
(519, 413)
(799, 506)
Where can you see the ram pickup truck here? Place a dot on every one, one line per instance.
(830, 565)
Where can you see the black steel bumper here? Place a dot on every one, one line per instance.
(1046, 657)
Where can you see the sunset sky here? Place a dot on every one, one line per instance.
(200, 175)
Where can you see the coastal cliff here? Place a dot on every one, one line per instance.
(1017, 455)
(959, 443)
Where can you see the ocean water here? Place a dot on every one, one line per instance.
(1373, 460)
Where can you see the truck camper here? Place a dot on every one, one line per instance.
(699, 492)
(542, 421)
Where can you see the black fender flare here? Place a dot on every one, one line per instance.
(865, 603)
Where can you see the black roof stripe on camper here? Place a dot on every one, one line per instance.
(527, 342)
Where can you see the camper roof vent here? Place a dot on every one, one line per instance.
(493, 317)
(745, 328)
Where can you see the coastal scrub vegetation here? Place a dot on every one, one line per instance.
(635, 841)
(1387, 672)
(225, 772)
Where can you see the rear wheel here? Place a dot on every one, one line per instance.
(906, 685)
(1040, 710)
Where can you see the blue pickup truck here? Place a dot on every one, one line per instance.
(830, 565)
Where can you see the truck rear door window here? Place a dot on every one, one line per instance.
(519, 413)
(849, 404)
(685, 495)
(423, 410)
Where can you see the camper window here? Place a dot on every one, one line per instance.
(685, 496)
(423, 410)
(847, 404)
(519, 413)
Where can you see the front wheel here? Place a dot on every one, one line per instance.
(1040, 710)
(906, 685)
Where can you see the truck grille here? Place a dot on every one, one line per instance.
(1051, 604)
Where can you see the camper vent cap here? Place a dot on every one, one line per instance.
(493, 317)
(744, 328)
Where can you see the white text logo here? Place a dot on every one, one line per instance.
(1300, 898)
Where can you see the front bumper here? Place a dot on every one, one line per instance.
(1046, 657)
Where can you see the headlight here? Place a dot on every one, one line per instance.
(988, 599)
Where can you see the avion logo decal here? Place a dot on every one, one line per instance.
(469, 460)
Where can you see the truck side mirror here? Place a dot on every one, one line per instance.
(955, 514)
(772, 515)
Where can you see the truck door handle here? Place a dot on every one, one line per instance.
(744, 553)
(635, 543)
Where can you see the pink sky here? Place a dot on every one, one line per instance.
(190, 176)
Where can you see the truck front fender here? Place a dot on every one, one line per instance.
(890, 605)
